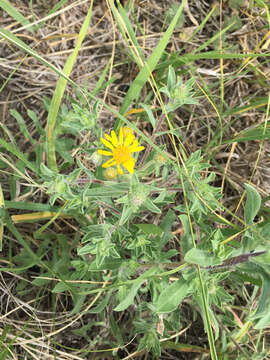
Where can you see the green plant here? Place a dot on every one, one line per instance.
(103, 238)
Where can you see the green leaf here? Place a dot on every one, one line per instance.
(183, 347)
(129, 300)
(263, 310)
(166, 226)
(22, 126)
(34, 118)
(126, 214)
(252, 205)
(115, 329)
(60, 287)
(201, 257)
(171, 79)
(108, 189)
(258, 133)
(150, 229)
(264, 321)
(150, 115)
(151, 206)
(172, 296)
(39, 281)
(186, 241)
(100, 307)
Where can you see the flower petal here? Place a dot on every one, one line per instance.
(107, 144)
(114, 138)
(108, 138)
(136, 149)
(105, 152)
(129, 165)
(109, 163)
(135, 143)
(127, 130)
(129, 138)
(121, 136)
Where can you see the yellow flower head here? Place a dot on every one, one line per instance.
(120, 150)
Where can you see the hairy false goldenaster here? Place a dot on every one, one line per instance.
(121, 149)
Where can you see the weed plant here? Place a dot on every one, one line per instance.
(131, 237)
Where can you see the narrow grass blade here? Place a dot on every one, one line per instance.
(7, 35)
(252, 105)
(128, 33)
(101, 79)
(2, 205)
(59, 92)
(151, 63)
(52, 219)
(209, 330)
(57, 6)
(212, 39)
(10, 76)
(200, 27)
(15, 151)
(257, 133)
(30, 206)
(184, 347)
(215, 54)
(37, 216)
(14, 13)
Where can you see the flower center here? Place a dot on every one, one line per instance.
(121, 154)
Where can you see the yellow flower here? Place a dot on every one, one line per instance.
(121, 150)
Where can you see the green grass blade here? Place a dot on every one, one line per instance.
(262, 102)
(11, 74)
(14, 13)
(59, 91)
(2, 206)
(200, 27)
(7, 35)
(101, 79)
(57, 6)
(212, 39)
(209, 330)
(151, 63)
(128, 33)
(215, 54)
(15, 151)
(30, 206)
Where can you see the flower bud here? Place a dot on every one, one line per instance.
(110, 173)
(96, 158)
(160, 158)
(127, 130)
